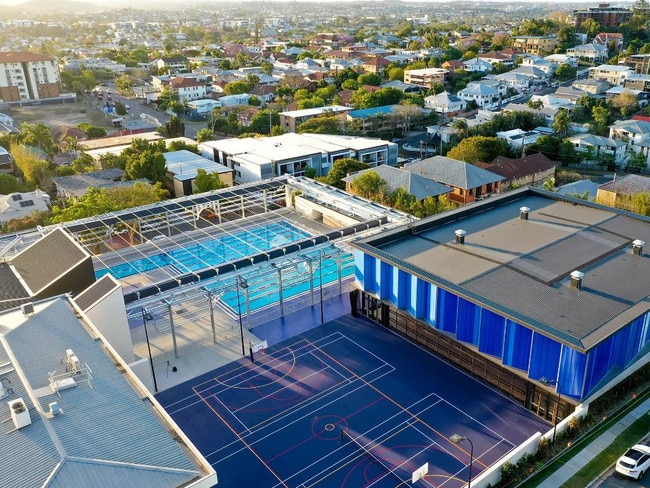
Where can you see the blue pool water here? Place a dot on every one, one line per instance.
(294, 282)
(196, 257)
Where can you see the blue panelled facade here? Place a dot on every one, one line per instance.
(576, 373)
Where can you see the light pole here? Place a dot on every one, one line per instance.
(241, 283)
(458, 439)
(320, 282)
(145, 317)
(546, 382)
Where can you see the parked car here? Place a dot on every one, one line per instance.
(635, 462)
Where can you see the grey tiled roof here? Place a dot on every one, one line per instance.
(12, 292)
(627, 185)
(413, 183)
(48, 259)
(453, 172)
(106, 434)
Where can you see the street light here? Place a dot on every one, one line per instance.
(458, 439)
(320, 281)
(147, 316)
(241, 283)
(553, 383)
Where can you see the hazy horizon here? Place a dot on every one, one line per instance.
(126, 3)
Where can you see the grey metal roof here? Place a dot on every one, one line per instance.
(520, 268)
(453, 172)
(12, 291)
(106, 429)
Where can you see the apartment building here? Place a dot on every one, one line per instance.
(538, 45)
(28, 76)
(425, 77)
(604, 14)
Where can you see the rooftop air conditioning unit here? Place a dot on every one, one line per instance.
(19, 413)
(27, 308)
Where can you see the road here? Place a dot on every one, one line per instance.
(138, 107)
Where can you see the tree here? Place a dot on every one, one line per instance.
(124, 83)
(601, 117)
(326, 124)
(237, 87)
(341, 168)
(535, 104)
(369, 185)
(204, 134)
(350, 84)
(637, 161)
(148, 164)
(173, 128)
(640, 14)
(39, 135)
(565, 72)
(8, 184)
(627, 102)
(97, 201)
(207, 181)
(480, 148)
(561, 124)
(461, 127)
(30, 165)
(120, 109)
(372, 79)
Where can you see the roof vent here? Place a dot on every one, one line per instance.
(460, 236)
(55, 409)
(637, 247)
(576, 279)
(27, 308)
(523, 213)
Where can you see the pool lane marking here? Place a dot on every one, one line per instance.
(243, 441)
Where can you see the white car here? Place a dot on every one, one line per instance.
(635, 462)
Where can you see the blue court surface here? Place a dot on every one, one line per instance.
(347, 404)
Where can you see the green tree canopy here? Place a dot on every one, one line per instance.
(327, 124)
(9, 184)
(341, 168)
(480, 148)
(237, 87)
(33, 168)
(97, 201)
(369, 185)
(207, 181)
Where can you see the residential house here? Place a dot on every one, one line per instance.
(620, 191)
(396, 178)
(469, 182)
(75, 186)
(290, 120)
(548, 113)
(518, 139)
(559, 59)
(538, 45)
(27, 76)
(632, 132)
(6, 161)
(532, 170)
(593, 146)
(377, 119)
(613, 74)
(580, 188)
(593, 53)
(452, 65)
(477, 65)
(516, 80)
(638, 82)
(400, 85)
(540, 64)
(498, 58)
(20, 205)
(375, 65)
(425, 77)
(188, 88)
(480, 93)
(445, 103)
(609, 38)
(182, 168)
(171, 64)
(233, 100)
(592, 86)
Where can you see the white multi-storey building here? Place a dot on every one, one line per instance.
(28, 76)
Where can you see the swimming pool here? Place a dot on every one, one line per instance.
(213, 252)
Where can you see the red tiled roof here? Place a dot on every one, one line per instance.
(182, 82)
(511, 169)
(642, 118)
(22, 57)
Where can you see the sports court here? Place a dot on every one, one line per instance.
(346, 404)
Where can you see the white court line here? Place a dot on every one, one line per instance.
(292, 413)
